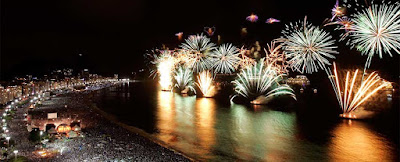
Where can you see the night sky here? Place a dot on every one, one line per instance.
(113, 35)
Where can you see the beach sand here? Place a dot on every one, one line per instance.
(105, 139)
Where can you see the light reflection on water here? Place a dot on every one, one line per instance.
(210, 131)
(201, 129)
(353, 140)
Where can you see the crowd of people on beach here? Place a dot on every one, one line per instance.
(100, 140)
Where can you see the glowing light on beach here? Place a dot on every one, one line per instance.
(205, 83)
(252, 18)
(350, 92)
(376, 30)
(308, 47)
(184, 80)
(225, 59)
(260, 80)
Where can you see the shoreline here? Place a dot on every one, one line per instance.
(113, 119)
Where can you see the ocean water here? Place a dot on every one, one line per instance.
(213, 129)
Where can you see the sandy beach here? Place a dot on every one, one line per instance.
(104, 138)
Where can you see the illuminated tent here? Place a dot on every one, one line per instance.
(63, 128)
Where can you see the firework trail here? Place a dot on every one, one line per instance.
(349, 93)
(245, 60)
(274, 56)
(205, 83)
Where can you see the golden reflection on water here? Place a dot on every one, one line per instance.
(166, 116)
(196, 127)
(186, 123)
(353, 141)
(205, 121)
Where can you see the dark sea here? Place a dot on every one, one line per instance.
(214, 129)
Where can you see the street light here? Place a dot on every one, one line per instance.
(62, 149)
(41, 132)
(15, 152)
(8, 141)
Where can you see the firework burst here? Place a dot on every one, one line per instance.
(184, 80)
(274, 56)
(196, 50)
(209, 31)
(195, 60)
(199, 43)
(345, 23)
(245, 60)
(272, 20)
(349, 93)
(337, 11)
(308, 47)
(252, 18)
(376, 30)
(165, 66)
(179, 35)
(225, 59)
(260, 80)
(205, 83)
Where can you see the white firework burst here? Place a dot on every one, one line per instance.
(376, 30)
(197, 48)
(200, 43)
(225, 59)
(184, 79)
(308, 47)
(195, 60)
(260, 79)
